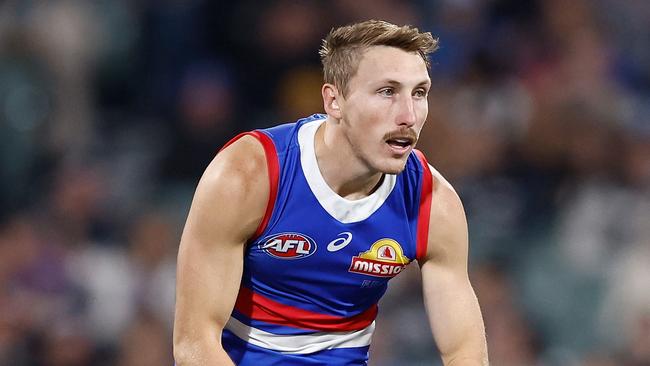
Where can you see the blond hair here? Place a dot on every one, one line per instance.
(343, 47)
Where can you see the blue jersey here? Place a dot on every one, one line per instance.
(319, 263)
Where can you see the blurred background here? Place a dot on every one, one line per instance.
(111, 109)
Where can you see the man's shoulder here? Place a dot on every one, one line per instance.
(446, 203)
(244, 157)
(420, 163)
(443, 193)
(447, 225)
(442, 185)
(231, 196)
(444, 198)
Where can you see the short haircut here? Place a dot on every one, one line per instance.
(343, 47)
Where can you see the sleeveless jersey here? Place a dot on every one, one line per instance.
(319, 263)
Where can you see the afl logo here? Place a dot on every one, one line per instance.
(289, 246)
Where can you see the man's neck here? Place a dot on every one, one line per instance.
(340, 168)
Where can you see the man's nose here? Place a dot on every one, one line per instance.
(406, 116)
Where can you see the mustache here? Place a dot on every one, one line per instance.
(402, 133)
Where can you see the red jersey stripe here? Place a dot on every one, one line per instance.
(425, 207)
(259, 307)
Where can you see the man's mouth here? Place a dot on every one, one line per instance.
(400, 142)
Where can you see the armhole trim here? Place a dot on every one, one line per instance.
(424, 211)
(273, 167)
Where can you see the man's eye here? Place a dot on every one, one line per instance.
(387, 92)
(420, 93)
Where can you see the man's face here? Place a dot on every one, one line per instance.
(385, 107)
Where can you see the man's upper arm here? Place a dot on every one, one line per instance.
(228, 205)
(450, 301)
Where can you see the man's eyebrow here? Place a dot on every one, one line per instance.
(426, 82)
(397, 83)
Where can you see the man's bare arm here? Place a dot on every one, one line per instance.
(451, 304)
(228, 205)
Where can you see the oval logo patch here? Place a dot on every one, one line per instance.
(289, 246)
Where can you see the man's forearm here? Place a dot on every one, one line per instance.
(468, 361)
(200, 353)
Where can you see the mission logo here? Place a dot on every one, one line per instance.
(384, 259)
(289, 246)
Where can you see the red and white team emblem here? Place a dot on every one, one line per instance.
(289, 246)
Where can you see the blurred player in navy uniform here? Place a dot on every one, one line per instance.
(295, 230)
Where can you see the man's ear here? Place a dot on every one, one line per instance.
(331, 99)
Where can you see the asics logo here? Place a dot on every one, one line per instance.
(340, 242)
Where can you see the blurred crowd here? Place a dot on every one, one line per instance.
(111, 109)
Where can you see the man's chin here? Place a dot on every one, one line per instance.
(394, 168)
